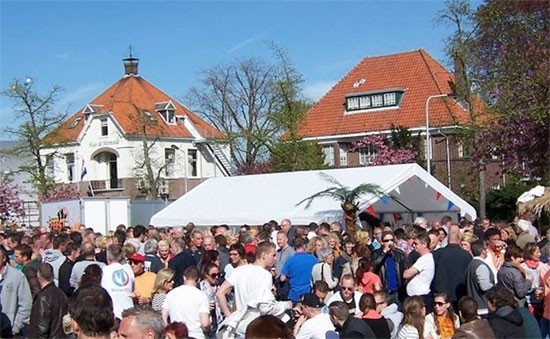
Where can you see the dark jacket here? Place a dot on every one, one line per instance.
(65, 277)
(355, 328)
(510, 276)
(48, 309)
(530, 324)
(473, 287)
(451, 263)
(379, 263)
(179, 264)
(507, 322)
(29, 270)
(380, 327)
(476, 329)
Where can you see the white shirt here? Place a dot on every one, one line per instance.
(316, 327)
(184, 304)
(356, 297)
(118, 280)
(250, 282)
(420, 283)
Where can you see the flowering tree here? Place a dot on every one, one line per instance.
(387, 154)
(11, 205)
(64, 192)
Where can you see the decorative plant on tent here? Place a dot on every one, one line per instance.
(348, 198)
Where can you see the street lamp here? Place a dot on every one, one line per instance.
(176, 148)
(428, 141)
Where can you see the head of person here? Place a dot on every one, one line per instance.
(4, 257)
(326, 255)
(141, 322)
(336, 227)
(22, 254)
(367, 303)
(176, 330)
(422, 222)
(492, 235)
(362, 237)
(434, 239)
(422, 243)
(442, 234)
(210, 256)
(324, 229)
(88, 250)
(414, 313)
(208, 242)
(137, 262)
(210, 273)
(339, 313)
(388, 240)
(382, 299)
(349, 244)
(267, 327)
(499, 296)
(140, 232)
(265, 254)
(91, 312)
(164, 249)
(513, 254)
(466, 241)
(151, 246)
(45, 274)
(467, 309)
(310, 304)
(92, 276)
(443, 306)
(197, 238)
(114, 253)
(320, 289)
(347, 287)
(164, 281)
(315, 244)
(282, 239)
(531, 252)
(479, 249)
(236, 254)
(286, 225)
(191, 275)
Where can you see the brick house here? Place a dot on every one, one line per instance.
(399, 89)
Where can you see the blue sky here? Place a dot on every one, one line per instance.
(79, 45)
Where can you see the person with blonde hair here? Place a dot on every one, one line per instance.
(414, 313)
(164, 283)
(164, 253)
(466, 242)
(316, 244)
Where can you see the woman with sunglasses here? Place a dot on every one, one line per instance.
(209, 285)
(414, 313)
(164, 283)
(442, 322)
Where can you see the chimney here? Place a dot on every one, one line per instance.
(131, 65)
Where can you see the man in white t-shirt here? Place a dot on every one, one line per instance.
(189, 305)
(422, 272)
(253, 288)
(313, 323)
(118, 280)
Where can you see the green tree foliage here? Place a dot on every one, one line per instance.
(36, 128)
(501, 204)
(297, 155)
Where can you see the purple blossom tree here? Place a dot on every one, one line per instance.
(386, 153)
(64, 192)
(11, 204)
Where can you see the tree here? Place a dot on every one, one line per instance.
(400, 148)
(253, 102)
(37, 129)
(11, 205)
(510, 59)
(348, 198)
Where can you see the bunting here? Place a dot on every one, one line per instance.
(371, 210)
(381, 216)
(385, 200)
(450, 205)
(410, 180)
(395, 217)
(437, 195)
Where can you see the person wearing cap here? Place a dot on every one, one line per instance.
(144, 281)
(312, 323)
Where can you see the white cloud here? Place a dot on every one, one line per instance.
(316, 90)
(77, 98)
(246, 42)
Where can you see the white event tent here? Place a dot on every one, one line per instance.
(409, 191)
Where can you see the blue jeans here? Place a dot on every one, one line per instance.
(545, 328)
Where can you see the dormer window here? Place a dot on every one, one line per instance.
(167, 110)
(75, 122)
(358, 102)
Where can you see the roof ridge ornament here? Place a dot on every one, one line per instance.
(130, 64)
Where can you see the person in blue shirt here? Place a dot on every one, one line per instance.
(297, 270)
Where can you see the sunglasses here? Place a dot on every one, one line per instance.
(134, 262)
(347, 288)
(387, 240)
(214, 275)
(439, 303)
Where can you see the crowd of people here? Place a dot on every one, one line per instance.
(429, 280)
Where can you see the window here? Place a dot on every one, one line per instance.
(358, 102)
(169, 157)
(377, 100)
(329, 155)
(367, 154)
(69, 161)
(192, 162)
(168, 115)
(75, 122)
(343, 153)
(49, 165)
(104, 127)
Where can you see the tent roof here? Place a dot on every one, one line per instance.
(256, 199)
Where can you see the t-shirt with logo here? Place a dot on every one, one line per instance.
(118, 280)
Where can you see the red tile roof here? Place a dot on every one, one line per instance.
(127, 99)
(415, 72)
